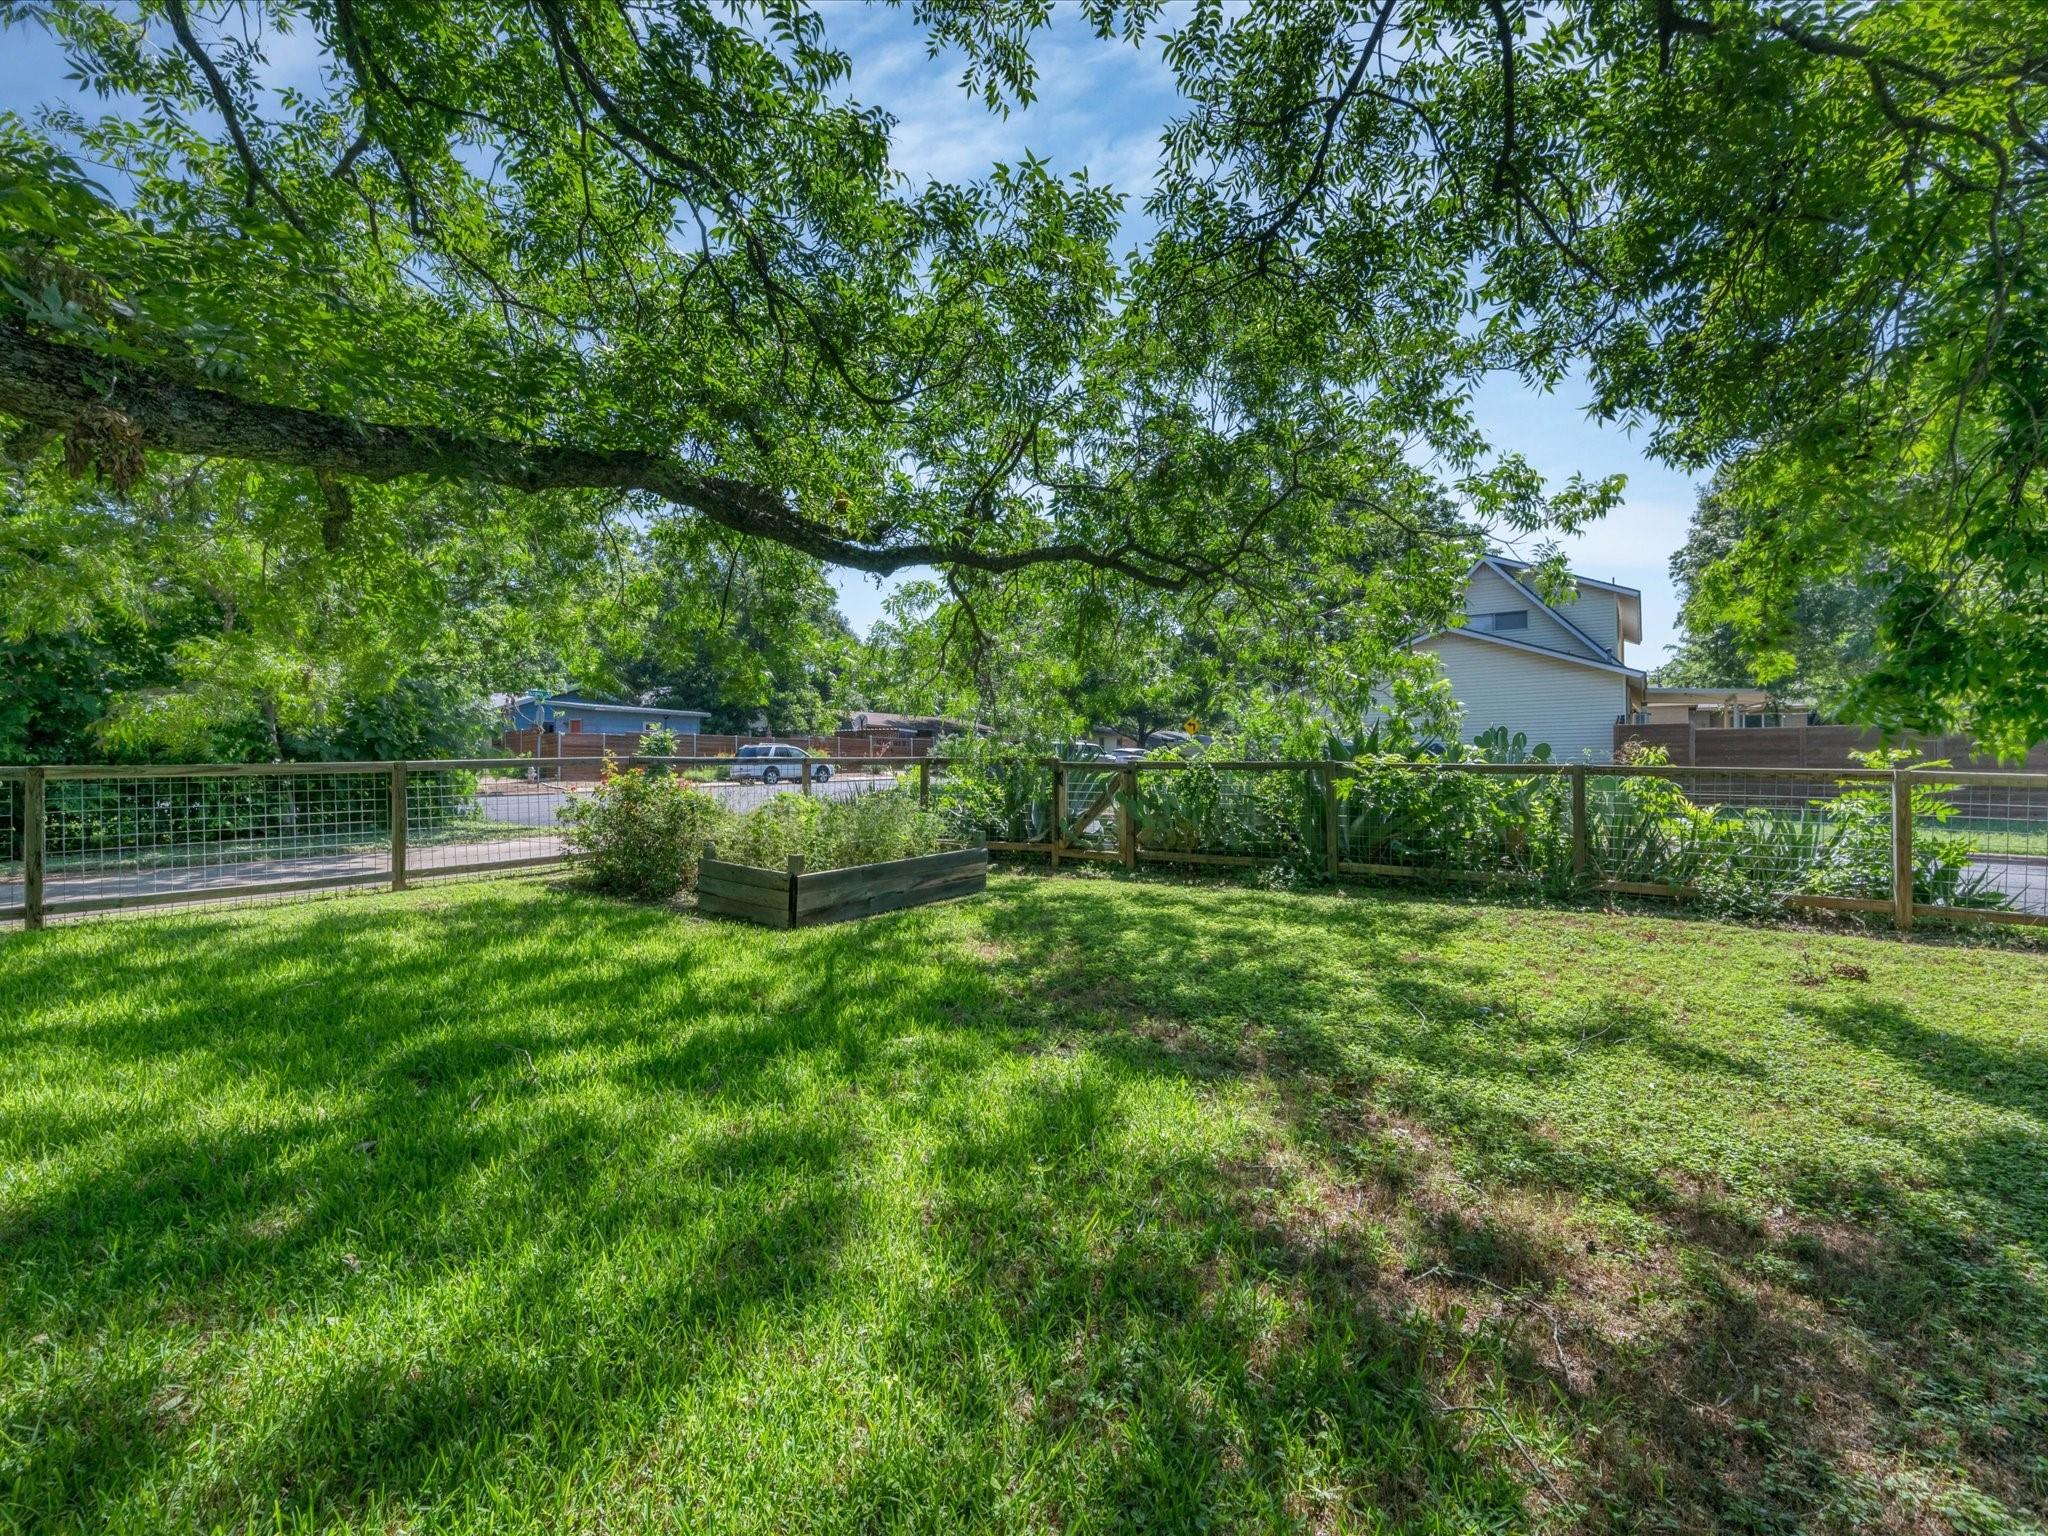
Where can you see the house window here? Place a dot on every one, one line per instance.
(1495, 623)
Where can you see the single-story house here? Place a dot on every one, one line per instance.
(1557, 672)
(1717, 708)
(578, 713)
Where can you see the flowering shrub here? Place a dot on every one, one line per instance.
(640, 835)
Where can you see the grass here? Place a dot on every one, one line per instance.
(2003, 834)
(1093, 1204)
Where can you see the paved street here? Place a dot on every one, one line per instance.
(532, 807)
(2023, 881)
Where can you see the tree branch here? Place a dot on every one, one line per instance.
(46, 385)
(182, 26)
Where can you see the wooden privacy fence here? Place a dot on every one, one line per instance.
(1689, 745)
(582, 753)
(1965, 845)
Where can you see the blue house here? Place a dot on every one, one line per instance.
(576, 714)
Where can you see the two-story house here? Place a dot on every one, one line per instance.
(1556, 671)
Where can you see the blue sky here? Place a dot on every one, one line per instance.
(1100, 106)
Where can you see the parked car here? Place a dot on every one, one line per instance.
(773, 764)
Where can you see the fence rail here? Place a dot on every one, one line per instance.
(1968, 846)
(88, 838)
(1965, 845)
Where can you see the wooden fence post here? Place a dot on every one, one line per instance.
(1902, 851)
(34, 837)
(398, 826)
(924, 785)
(1330, 851)
(1059, 809)
(1579, 858)
(804, 772)
(1127, 820)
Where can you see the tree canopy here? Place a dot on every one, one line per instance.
(1823, 636)
(655, 255)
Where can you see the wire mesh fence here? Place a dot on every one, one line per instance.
(113, 839)
(1737, 839)
(1006, 803)
(1228, 812)
(1980, 844)
(139, 838)
(12, 785)
(1931, 842)
(1424, 820)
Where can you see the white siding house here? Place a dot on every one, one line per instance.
(1556, 672)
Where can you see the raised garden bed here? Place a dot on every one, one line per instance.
(789, 898)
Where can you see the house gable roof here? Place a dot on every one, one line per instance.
(1570, 658)
(1593, 654)
(1502, 569)
(1631, 598)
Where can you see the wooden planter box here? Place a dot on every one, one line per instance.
(792, 899)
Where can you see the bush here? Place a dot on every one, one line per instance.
(832, 834)
(996, 791)
(658, 741)
(640, 835)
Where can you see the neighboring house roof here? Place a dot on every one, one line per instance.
(882, 720)
(606, 706)
(1631, 597)
(1547, 652)
(1595, 654)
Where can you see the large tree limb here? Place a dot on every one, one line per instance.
(46, 385)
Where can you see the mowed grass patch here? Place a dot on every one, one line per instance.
(1091, 1204)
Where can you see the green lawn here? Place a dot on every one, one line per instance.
(1093, 1204)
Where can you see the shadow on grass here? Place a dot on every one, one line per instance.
(1865, 1356)
(454, 1204)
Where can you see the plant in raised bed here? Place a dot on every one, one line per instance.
(833, 834)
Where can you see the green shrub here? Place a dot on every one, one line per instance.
(658, 741)
(639, 834)
(1425, 818)
(993, 791)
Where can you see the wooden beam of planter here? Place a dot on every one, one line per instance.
(840, 894)
(792, 898)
